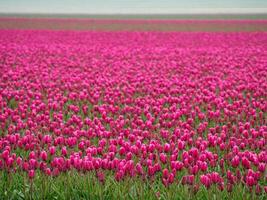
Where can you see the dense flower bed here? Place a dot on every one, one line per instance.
(183, 108)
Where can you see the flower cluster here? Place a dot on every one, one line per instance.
(185, 108)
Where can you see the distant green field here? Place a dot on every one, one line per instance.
(140, 22)
(143, 16)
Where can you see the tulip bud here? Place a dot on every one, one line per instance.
(31, 174)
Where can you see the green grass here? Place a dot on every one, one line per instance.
(78, 185)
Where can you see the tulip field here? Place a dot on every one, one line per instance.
(87, 114)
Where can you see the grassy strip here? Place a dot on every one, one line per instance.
(75, 185)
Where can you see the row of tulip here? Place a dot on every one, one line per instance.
(185, 108)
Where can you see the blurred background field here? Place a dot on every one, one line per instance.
(179, 22)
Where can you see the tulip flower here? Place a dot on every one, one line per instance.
(162, 108)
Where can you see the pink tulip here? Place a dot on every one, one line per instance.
(165, 173)
(144, 105)
(250, 181)
(235, 161)
(205, 180)
(31, 174)
(52, 150)
(163, 158)
(43, 155)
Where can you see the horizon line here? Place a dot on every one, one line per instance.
(119, 13)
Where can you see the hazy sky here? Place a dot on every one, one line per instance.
(133, 6)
